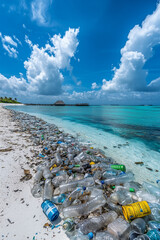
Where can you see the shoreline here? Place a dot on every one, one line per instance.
(23, 137)
(21, 215)
(117, 148)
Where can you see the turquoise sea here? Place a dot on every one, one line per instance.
(129, 134)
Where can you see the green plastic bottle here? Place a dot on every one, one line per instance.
(118, 167)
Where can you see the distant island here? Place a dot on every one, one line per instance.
(8, 100)
(59, 103)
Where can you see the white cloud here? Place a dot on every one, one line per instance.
(138, 49)
(43, 67)
(10, 45)
(45, 64)
(94, 85)
(39, 10)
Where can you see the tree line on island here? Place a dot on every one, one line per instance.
(8, 100)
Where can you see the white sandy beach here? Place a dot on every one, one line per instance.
(21, 216)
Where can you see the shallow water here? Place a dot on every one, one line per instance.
(130, 133)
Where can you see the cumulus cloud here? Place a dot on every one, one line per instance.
(43, 67)
(39, 10)
(10, 45)
(138, 49)
(94, 85)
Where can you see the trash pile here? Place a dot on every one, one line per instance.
(96, 197)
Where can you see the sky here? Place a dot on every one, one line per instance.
(99, 52)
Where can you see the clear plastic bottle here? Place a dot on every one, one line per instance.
(139, 225)
(114, 207)
(120, 179)
(154, 225)
(46, 173)
(152, 189)
(37, 190)
(68, 187)
(58, 180)
(145, 196)
(80, 157)
(68, 224)
(123, 197)
(74, 195)
(84, 209)
(80, 236)
(105, 236)
(59, 199)
(38, 176)
(97, 223)
(119, 228)
(59, 160)
(48, 190)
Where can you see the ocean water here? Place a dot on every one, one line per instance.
(129, 134)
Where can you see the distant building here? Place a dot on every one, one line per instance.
(59, 103)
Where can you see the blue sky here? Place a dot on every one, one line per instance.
(100, 52)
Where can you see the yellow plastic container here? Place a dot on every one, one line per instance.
(136, 210)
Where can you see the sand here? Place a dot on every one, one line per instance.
(21, 216)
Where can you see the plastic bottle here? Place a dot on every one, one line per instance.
(155, 211)
(114, 207)
(68, 224)
(37, 190)
(154, 225)
(59, 160)
(38, 176)
(132, 235)
(153, 234)
(139, 225)
(105, 235)
(68, 187)
(145, 196)
(123, 197)
(79, 236)
(74, 195)
(152, 189)
(80, 157)
(58, 180)
(50, 210)
(120, 179)
(111, 172)
(59, 199)
(84, 209)
(46, 173)
(119, 228)
(97, 223)
(48, 190)
(142, 237)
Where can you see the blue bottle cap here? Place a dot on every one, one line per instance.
(102, 181)
(84, 188)
(158, 181)
(90, 235)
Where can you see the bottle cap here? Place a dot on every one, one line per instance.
(102, 181)
(77, 165)
(84, 188)
(158, 181)
(90, 235)
(113, 187)
(92, 163)
(131, 190)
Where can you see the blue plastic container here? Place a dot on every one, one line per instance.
(153, 234)
(50, 210)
